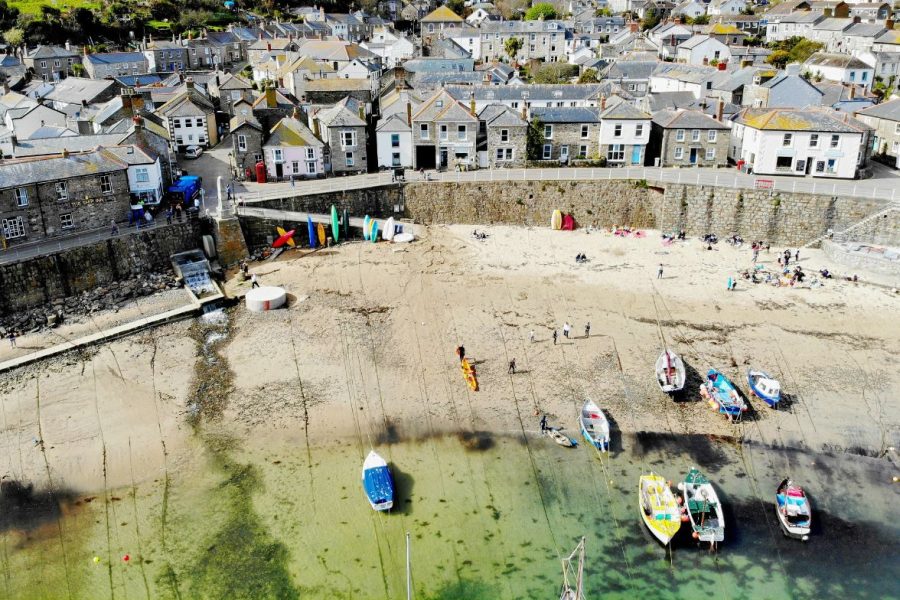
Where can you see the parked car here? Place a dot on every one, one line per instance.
(193, 152)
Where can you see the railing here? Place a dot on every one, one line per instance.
(880, 189)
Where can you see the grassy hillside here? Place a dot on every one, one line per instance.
(34, 6)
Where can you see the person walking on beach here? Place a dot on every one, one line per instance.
(659, 272)
(587, 329)
(555, 335)
(512, 367)
(543, 422)
(531, 336)
(12, 339)
(755, 255)
(566, 329)
(797, 255)
(461, 352)
(253, 282)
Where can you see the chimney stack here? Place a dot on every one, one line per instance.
(602, 102)
(362, 112)
(720, 109)
(889, 24)
(138, 122)
(409, 114)
(316, 128)
(270, 98)
(472, 105)
(852, 93)
(295, 114)
(65, 153)
(269, 46)
(189, 83)
(634, 26)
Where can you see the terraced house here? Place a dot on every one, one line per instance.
(444, 133)
(51, 196)
(568, 133)
(541, 40)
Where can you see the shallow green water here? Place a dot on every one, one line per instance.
(490, 523)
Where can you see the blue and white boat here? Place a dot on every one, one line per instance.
(594, 426)
(794, 510)
(722, 395)
(377, 482)
(764, 386)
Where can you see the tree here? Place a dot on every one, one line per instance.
(804, 49)
(78, 69)
(603, 12)
(512, 47)
(540, 10)
(589, 76)
(534, 140)
(699, 20)
(651, 20)
(555, 73)
(457, 6)
(8, 16)
(14, 36)
(779, 59)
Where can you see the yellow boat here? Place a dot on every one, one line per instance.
(658, 507)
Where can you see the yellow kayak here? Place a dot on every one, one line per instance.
(658, 507)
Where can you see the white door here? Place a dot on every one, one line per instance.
(563, 154)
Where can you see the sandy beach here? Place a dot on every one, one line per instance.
(363, 357)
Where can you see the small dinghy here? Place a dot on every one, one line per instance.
(557, 436)
(764, 386)
(670, 372)
(722, 395)
(703, 508)
(794, 510)
(659, 510)
(594, 426)
(377, 482)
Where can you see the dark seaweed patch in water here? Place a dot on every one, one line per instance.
(242, 559)
(707, 451)
(21, 507)
(841, 559)
(389, 435)
(466, 589)
(476, 441)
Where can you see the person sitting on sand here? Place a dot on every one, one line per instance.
(825, 273)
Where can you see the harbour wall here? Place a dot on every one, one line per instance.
(790, 219)
(38, 281)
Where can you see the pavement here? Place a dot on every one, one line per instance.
(212, 163)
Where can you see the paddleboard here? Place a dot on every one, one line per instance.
(346, 225)
(335, 226)
(367, 226)
(312, 232)
(556, 220)
(374, 235)
(321, 231)
(403, 238)
(388, 233)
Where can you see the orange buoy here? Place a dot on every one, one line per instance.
(684, 518)
(126, 558)
(695, 535)
(680, 500)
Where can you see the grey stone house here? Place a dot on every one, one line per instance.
(228, 89)
(444, 133)
(51, 63)
(246, 143)
(687, 138)
(115, 64)
(503, 134)
(164, 56)
(343, 129)
(884, 118)
(568, 132)
(61, 195)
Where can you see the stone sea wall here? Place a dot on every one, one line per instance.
(39, 281)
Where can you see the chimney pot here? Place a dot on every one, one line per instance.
(852, 93)
(409, 114)
(65, 153)
(720, 109)
(602, 102)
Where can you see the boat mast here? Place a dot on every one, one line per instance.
(579, 585)
(408, 572)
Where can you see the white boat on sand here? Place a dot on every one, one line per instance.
(670, 372)
(594, 426)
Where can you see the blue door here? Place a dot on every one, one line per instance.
(635, 155)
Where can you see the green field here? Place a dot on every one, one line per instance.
(34, 6)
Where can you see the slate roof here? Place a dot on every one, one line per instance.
(239, 121)
(292, 132)
(623, 111)
(789, 119)
(332, 50)
(669, 100)
(834, 24)
(499, 115)
(336, 84)
(234, 82)
(75, 90)
(783, 77)
(442, 106)
(892, 36)
(560, 93)
(566, 114)
(131, 155)
(842, 61)
(50, 52)
(524, 27)
(686, 119)
(343, 114)
(695, 41)
(631, 69)
(687, 73)
(28, 171)
(115, 58)
(138, 80)
(439, 65)
(865, 29)
(189, 103)
(889, 110)
(395, 122)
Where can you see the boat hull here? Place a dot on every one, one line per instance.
(594, 426)
(670, 373)
(752, 382)
(784, 501)
(658, 508)
(378, 483)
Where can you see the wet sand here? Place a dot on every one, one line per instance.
(226, 454)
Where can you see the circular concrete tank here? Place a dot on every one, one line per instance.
(265, 298)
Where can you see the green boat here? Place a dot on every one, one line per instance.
(703, 507)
